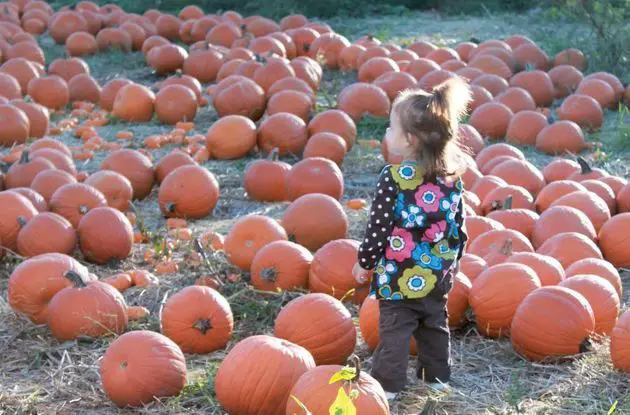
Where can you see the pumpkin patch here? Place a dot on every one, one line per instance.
(183, 194)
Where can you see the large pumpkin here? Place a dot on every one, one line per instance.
(457, 300)
(334, 121)
(198, 319)
(472, 266)
(548, 269)
(570, 247)
(284, 131)
(188, 191)
(496, 294)
(86, 308)
(240, 383)
(493, 240)
(265, 179)
(315, 391)
(555, 190)
(238, 95)
(537, 336)
(170, 162)
(105, 234)
(361, 98)
(613, 237)
(16, 127)
(592, 205)
(134, 103)
(22, 172)
(599, 267)
(582, 110)
(319, 323)
(73, 201)
(620, 343)
(114, 186)
(145, 355)
(315, 175)
(314, 230)
(331, 270)
(17, 210)
(561, 219)
(35, 281)
(601, 296)
(281, 265)
(231, 137)
(46, 233)
(175, 103)
(248, 235)
(135, 166)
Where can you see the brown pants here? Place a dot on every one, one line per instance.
(427, 320)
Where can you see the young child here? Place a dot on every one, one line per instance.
(415, 235)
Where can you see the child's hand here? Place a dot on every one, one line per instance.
(360, 275)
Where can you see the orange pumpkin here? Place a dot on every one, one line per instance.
(189, 191)
(612, 239)
(121, 282)
(561, 219)
(548, 269)
(74, 200)
(521, 198)
(175, 103)
(109, 92)
(457, 300)
(133, 354)
(491, 120)
(537, 337)
(602, 190)
(105, 234)
(114, 186)
(492, 83)
(619, 343)
(281, 265)
(114, 38)
(135, 166)
(231, 137)
(588, 202)
(170, 162)
(583, 110)
(472, 265)
(86, 308)
(485, 184)
(286, 132)
(555, 190)
(600, 90)
(35, 281)
(599, 267)
(496, 294)
(362, 98)
(198, 319)
(521, 220)
(331, 269)
(538, 84)
(314, 175)
(38, 116)
(492, 240)
(23, 172)
(239, 95)
(327, 145)
(60, 159)
(63, 24)
(316, 312)
(560, 169)
(83, 87)
(134, 102)
(478, 225)
(239, 382)
(565, 80)
(203, 64)
(313, 231)
(520, 173)
(601, 296)
(248, 235)
(334, 121)
(293, 102)
(570, 247)
(611, 80)
(48, 181)
(525, 126)
(45, 233)
(17, 210)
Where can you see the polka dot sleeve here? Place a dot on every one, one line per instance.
(380, 222)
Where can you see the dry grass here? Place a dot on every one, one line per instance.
(41, 375)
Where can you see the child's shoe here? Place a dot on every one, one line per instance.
(391, 395)
(439, 386)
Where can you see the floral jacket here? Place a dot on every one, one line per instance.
(415, 232)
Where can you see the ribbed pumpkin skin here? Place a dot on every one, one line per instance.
(496, 294)
(457, 301)
(115, 187)
(548, 269)
(313, 231)
(472, 265)
(73, 201)
(35, 281)
(613, 240)
(551, 322)
(48, 181)
(97, 309)
(170, 162)
(601, 296)
(105, 234)
(520, 220)
(599, 267)
(554, 191)
(570, 247)
(478, 225)
(315, 392)
(144, 356)
(188, 192)
(248, 235)
(135, 166)
(331, 270)
(14, 206)
(620, 343)
(198, 319)
(321, 324)
(46, 233)
(369, 315)
(588, 202)
(561, 219)
(241, 385)
(493, 240)
(281, 265)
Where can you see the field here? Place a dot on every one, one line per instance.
(39, 375)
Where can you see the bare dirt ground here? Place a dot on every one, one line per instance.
(39, 375)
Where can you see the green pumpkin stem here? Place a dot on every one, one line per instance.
(506, 249)
(507, 204)
(24, 158)
(268, 274)
(75, 279)
(21, 220)
(354, 362)
(203, 325)
(586, 168)
(170, 207)
(274, 154)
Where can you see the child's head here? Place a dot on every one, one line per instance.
(424, 125)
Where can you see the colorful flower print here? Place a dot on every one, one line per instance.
(435, 233)
(400, 245)
(449, 205)
(386, 293)
(416, 282)
(423, 255)
(384, 271)
(406, 176)
(428, 197)
(413, 217)
(400, 205)
(444, 251)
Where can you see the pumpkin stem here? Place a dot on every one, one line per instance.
(274, 155)
(586, 168)
(83, 209)
(586, 346)
(75, 279)
(496, 205)
(24, 158)
(203, 325)
(268, 274)
(506, 249)
(170, 207)
(354, 361)
(508, 203)
(307, 47)
(21, 220)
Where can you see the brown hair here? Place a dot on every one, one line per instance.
(433, 119)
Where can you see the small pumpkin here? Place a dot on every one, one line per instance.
(248, 235)
(331, 269)
(114, 186)
(188, 191)
(130, 357)
(17, 210)
(134, 103)
(121, 282)
(314, 175)
(231, 137)
(105, 234)
(265, 179)
(45, 233)
(281, 265)
(198, 319)
(91, 309)
(537, 337)
(457, 300)
(319, 323)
